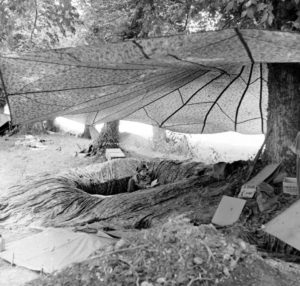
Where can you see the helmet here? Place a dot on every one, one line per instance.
(141, 166)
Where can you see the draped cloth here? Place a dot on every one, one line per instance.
(197, 83)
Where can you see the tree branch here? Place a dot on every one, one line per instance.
(188, 9)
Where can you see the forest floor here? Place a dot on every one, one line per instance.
(23, 157)
(51, 154)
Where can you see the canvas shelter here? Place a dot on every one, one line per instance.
(53, 249)
(197, 83)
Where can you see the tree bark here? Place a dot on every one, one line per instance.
(108, 138)
(49, 125)
(86, 133)
(159, 136)
(283, 113)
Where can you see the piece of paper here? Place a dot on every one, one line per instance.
(154, 183)
(290, 187)
(228, 211)
(112, 153)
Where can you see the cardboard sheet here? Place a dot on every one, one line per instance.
(286, 226)
(228, 211)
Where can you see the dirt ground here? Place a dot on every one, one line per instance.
(48, 154)
(18, 162)
(57, 152)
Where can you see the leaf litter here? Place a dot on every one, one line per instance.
(175, 253)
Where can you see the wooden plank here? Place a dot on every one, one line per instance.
(228, 211)
(265, 173)
(248, 189)
(286, 226)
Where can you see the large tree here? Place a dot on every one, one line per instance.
(283, 79)
(164, 17)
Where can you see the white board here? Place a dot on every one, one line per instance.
(228, 211)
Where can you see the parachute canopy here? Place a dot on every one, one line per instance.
(198, 83)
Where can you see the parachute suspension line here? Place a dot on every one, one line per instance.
(244, 44)
(210, 68)
(93, 122)
(220, 95)
(140, 47)
(181, 97)
(168, 93)
(242, 97)
(260, 97)
(147, 114)
(190, 98)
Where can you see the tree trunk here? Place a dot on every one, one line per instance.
(159, 136)
(283, 113)
(108, 138)
(86, 133)
(2, 100)
(49, 125)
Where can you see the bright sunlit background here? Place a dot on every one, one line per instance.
(6, 109)
(76, 128)
(209, 148)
